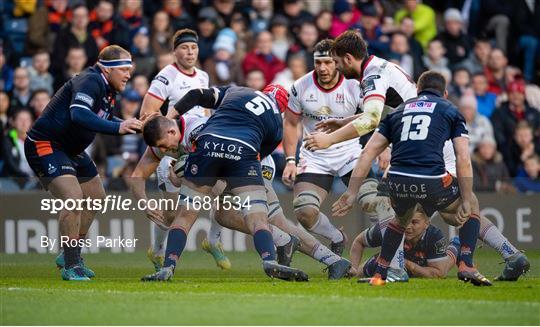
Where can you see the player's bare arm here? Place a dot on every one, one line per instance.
(434, 269)
(375, 146)
(290, 140)
(332, 124)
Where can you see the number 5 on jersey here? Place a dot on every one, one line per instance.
(259, 105)
(415, 128)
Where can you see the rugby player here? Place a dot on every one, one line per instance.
(169, 86)
(417, 177)
(246, 126)
(55, 146)
(320, 94)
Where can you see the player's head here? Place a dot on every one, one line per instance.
(432, 80)
(325, 65)
(186, 48)
(417, 226)
(163, 133)
(349, 51)
(279, 93)
(115, 62)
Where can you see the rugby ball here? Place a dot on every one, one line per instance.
(179, 166)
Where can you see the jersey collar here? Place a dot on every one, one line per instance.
(431, 91)
(181, 123)
(364, 65)
(316, 82)
(107, 85)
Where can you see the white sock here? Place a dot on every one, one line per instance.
(280, 237)
(160, 240)
(323, 254)
(495, 239)
(324, 227)
(214, 234)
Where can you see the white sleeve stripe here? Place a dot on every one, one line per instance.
(80, 106)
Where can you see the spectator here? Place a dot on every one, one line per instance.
(509, 114)
(40, 78)
(486, 100)
(75, 62)
(345, 17)
(131, 144)
(224, 68)
(478, 58)
(323, 21)
(279, 27)
(528, 179)
(44, 24)
(15, 163)
(479, 126)
(495, 71)
(407, 27)
(455, 41)
(295, 13)
(208, 26)
(179, 18)
(378, 41)
(425, 27)
(520, 147)
(163, 60)
(132, 13)
(399, 47)
(4, 106)
(59, 15)
(435, 59)
(493, 18)
(6, 73)
(255, 79)
(141, 52)
(161, 33)
(20, 95)
(262, 58)
(73, 36)
(39, 100)
(527, 23)
(489, 171)
(296, 68)
(225, 9)
(260, 15)
(243, 34)
(307, 38)
(140, 84)
(106, 28)
(461, 82)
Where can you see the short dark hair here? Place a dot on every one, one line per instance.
(323, 45)
(432, 80)
(154, 129)
(350, 42)
(112, 52)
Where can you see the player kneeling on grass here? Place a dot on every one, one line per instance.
(246, 125)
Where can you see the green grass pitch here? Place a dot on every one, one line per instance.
(31, 292)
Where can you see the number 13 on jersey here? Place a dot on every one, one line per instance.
(415, 127)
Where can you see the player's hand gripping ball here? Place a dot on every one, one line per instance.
(179, 166)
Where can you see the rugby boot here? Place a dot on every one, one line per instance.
(338, 247)
(285, 252)
(155, 259)
(163, 275)
(217, 253)
(471, 274)
(275, 270)
(60, 263)
(397, 276)
(515, 266)
(74, 273)
(339, 269)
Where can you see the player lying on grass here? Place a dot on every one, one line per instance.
(417, 177)
(187, 128)
(246, 126)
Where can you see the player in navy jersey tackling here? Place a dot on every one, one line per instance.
(245, 127)
(417, 178)
(55, 146)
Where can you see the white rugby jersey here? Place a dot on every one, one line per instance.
(449, 157)
(386, 80)
(314, 103)
(172, 84)
(191, 124)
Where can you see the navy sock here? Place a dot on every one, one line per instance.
(390, 244)
(71, 254)
(176, 242)
(468, 234)
(264, 244)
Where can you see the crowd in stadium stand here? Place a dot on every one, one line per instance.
(489, 51)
